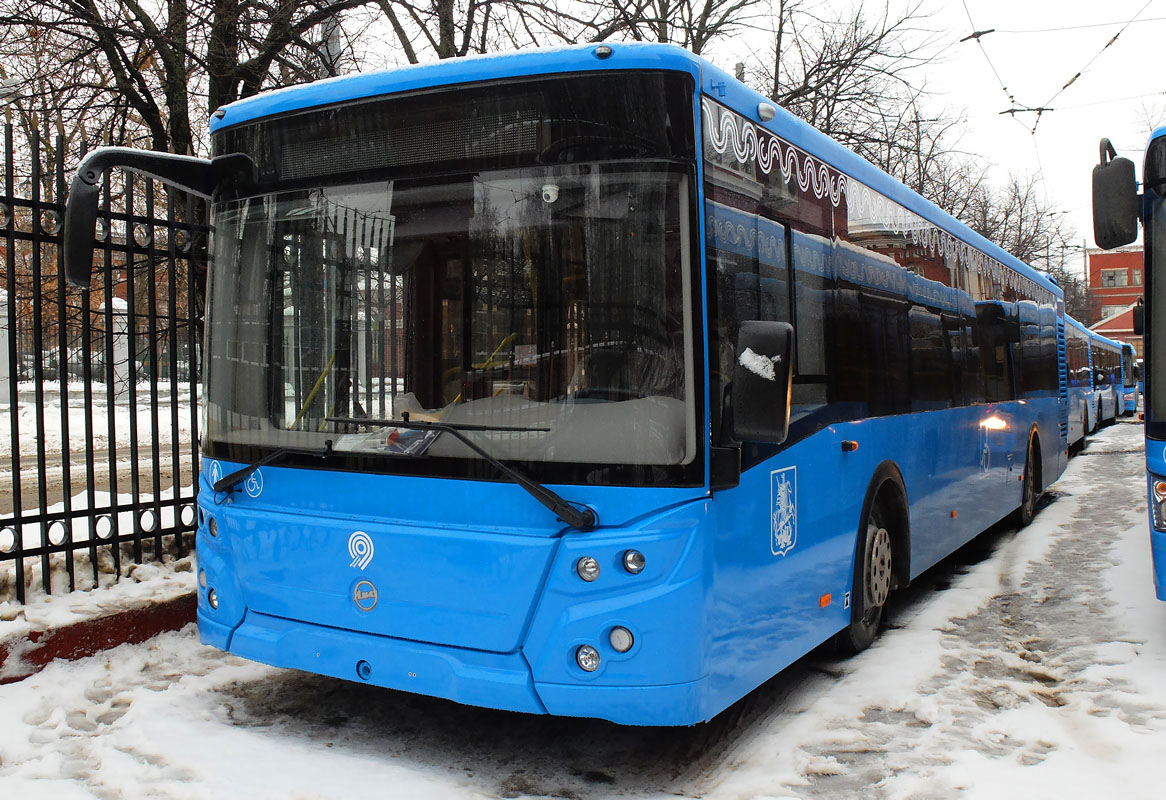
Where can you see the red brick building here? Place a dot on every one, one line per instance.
(1115, 279)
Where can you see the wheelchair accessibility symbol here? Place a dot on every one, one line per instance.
(254, 484)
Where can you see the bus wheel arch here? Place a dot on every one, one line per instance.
(882, 536)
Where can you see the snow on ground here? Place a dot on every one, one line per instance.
(75, 415)
(1029, 664)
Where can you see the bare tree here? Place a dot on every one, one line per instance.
(692, 24)
(150, 63)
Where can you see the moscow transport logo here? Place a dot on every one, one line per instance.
(783, 510)
(360, 549)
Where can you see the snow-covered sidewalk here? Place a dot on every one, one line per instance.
(1028, 665)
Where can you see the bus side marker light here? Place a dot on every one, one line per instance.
(849, 446)
(587, 657)
(603, 51)
(588, 568)
(954, 513)
(363, 670)
(202, 578)
(824, 600)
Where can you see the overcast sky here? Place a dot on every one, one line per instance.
(1037, 47)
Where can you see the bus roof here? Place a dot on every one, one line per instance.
(584, 58)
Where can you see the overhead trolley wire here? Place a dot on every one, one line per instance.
(1048, 103)
(1023, 31)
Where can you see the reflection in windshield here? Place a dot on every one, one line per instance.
(553, 300)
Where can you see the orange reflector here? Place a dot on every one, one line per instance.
(824, 600)
(954, 513)
(849, 446)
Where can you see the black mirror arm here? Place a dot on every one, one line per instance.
(199, 176)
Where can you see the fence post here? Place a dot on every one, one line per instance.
(119, 331)
(361, 353)
(5, 364)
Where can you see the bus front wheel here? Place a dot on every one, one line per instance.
(873, 580)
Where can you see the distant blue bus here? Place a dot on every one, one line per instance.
(1129, 380)
(1082, 397)
(1105, 359)
(586, 382)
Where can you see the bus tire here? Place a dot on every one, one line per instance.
(873, 580)
(1031, 483)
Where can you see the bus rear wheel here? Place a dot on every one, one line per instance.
(873, 580)
(1028, 496)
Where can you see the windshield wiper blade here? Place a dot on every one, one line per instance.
(228, 482)
(408, 424)
(581, 519)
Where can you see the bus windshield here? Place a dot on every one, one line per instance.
(553, 300)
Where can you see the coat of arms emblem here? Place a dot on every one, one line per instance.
(783, 510)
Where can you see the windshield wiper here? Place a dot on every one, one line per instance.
(581, 519)
(228, 482)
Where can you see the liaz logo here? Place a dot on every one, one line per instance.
(783, 510)
(364, 595)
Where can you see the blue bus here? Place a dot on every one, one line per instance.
(1082, 398)
(1105, 359)
(1118, 208)
(586, 382)
(1129, 380)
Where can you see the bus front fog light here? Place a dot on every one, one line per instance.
(634, 561)
(212, 527)
(621, 639)
(212, 598)
(587, 657)
(588, 568)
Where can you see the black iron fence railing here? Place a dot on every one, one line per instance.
(98, 387)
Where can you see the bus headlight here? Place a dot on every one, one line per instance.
(1159, 505)
(588, 568)
(587, 657)
(621, 639)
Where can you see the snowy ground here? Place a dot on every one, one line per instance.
(1028, 665)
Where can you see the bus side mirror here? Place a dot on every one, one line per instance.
(763, 381)
(1115, 200)
(198, 176)
(1139, 319)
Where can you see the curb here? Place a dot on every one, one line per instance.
(22, 656)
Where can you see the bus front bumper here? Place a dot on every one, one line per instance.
(489, 680)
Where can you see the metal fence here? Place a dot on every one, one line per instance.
(101, 384)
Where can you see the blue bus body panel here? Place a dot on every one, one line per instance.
(1156, 467)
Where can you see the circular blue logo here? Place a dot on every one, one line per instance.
(364, 594)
